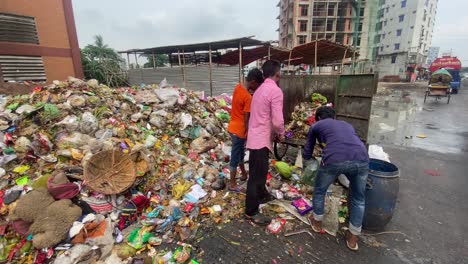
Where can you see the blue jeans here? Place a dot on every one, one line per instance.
(356, 172)
(237, 152)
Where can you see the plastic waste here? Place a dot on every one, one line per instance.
(150, 141)
(276, 225)
(377, 152)
(70, 123)
(302, 205)
(139, 237)
(186, 120)
(88, 123)
(310, 171)
(168, 96)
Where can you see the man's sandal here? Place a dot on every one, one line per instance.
(259, 219)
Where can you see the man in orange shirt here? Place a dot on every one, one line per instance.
(238, 126)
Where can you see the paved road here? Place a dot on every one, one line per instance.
(431, 214)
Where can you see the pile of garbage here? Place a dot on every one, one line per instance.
(90, 172)
(303, 117)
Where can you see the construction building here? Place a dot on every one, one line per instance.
(302, 21)
(432, 55)
(404, 35)
(38, 41)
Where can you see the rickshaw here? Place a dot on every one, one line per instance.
(439, 85)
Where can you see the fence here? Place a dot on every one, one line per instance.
(196, 78)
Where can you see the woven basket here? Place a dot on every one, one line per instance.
(110, 172)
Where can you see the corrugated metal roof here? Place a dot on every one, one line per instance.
(327, 52)
(215, 45)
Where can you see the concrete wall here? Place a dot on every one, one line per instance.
(58, 44)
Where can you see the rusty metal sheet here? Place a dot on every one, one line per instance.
(354, 101)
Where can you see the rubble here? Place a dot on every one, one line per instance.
(90, 173)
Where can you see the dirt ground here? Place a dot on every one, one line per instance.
(17, 88)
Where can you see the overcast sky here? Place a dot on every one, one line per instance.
(149, 23)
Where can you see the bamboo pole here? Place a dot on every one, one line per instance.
(128, 60)
(316, 50)
(183, 69)
(342, 61)
(240, 62)
(211, 72)
(269, 52)
(136, 60)
(180, 65)
(289, 61)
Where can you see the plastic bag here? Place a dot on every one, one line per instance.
(41, 144)
(76, 101)
(88, 123)
(202, 144)
(157, 121)
(70, 123)
(150, 141)
(163, 84)
(310, 171)
(75, 140)
(276, 225)
(169, 96)
(302, 205)
(180, 189)
(22, 145)
(25, 109)
(139, 237)
(377, 152)
(185, 120)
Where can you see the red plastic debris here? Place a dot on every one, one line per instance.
(432, 172)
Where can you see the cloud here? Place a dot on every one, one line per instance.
(148, 23)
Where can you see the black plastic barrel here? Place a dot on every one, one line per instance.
(382, 189)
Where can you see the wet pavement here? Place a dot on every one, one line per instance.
(429, 225)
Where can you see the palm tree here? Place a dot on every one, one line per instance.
(102, 63)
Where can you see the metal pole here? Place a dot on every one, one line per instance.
(154, 60)
(269, 52)
(211, 73)
(240, 62)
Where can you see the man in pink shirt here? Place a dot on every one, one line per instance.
(266, 123)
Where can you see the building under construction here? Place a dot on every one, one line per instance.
(348, 22)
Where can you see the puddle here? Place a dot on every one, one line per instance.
(392, 119)
(398, 118)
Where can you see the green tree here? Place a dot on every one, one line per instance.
(161, 60)
(103, 63)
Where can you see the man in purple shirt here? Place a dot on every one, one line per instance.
(265, 124)
(344, 153)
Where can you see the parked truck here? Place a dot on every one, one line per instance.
(453, 66)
